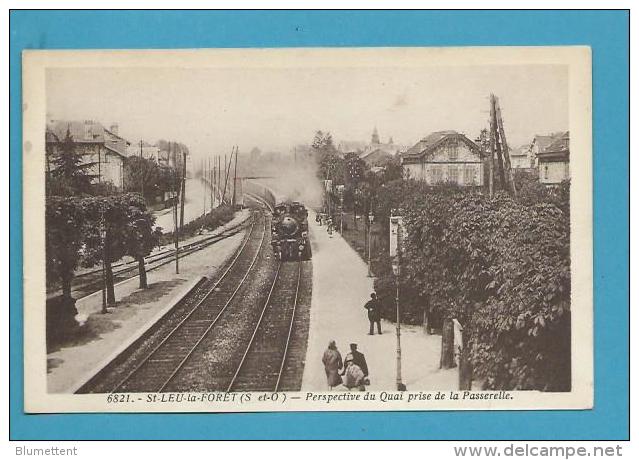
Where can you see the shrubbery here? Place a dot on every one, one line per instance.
(218, 216)
(501, 266)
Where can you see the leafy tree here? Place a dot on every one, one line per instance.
(64, 221)
(393, 170)
(330, 164)
(138, 234)
(355, 170)
(142, 174)
(70, 174)
(501, 266)
(109, 217)
(323, 143)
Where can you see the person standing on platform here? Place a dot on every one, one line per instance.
(332, 361)
(374, 314)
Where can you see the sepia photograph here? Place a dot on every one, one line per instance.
(308, 229)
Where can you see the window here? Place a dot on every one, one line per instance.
(453, 174)
(546, 172)
(451, 150)
(436, 174)
(470, 176)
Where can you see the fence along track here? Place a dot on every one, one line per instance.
(263, 362)
(167, 358)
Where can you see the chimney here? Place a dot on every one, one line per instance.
(114, 128)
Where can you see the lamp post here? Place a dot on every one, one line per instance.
(395, 253)
(370, 229)
(103, 239)
(340, 190)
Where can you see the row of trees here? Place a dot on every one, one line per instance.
(88, 223)
(501, 266)
(90, 230)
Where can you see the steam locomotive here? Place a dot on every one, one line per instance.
(289, 231)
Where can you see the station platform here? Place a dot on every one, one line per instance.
(341, 287)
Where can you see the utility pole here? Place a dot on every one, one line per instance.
(183, 190)
(104, 254)
(502, 135)
(499, 145)
(495, 136)
(211, 178)
(225, 178)
(203, 179)
(491, 164)
(142, 169)
(227, 171)
(219, 179)
(176, 237)
(235, 176)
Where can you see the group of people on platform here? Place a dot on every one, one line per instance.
(352, 372)
(322, 219)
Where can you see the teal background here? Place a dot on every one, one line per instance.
(607, 32)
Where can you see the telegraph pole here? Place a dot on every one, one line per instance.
(142, 169)
(219, 179)
(499, 145)
(211, 183)
(104, 254)
(235, 176)
(183, 190)
(502, 136)
(176, 237)
(227, 171)
(204, 173)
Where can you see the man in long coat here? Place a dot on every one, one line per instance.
(332, 361)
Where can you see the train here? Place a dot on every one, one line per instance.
(289, 231)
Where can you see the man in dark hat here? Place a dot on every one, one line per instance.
(374, 314)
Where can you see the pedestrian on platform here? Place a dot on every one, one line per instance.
(355, 370)
(332, 360)
(374, 314)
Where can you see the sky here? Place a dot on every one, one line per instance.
(210, 110)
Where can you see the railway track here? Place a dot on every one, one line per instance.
(263, 363)
(159, 368)
(130, 370)
(246, 331)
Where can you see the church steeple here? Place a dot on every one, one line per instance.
(375, 136)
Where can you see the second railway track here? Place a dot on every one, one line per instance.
(264, 361)
(246, 331)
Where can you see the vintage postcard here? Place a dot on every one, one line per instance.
(319, 229)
